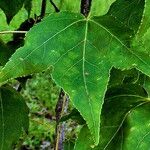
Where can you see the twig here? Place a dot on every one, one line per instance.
(12, 32)
(61, 108)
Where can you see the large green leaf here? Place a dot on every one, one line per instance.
(11, 7)
(13, 117)
(82, 52)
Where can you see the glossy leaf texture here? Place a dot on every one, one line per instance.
(11, 8)
(82, 52)
(13, 117)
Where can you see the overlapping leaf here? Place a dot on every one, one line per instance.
(82, 52)
(124, 121)
(13, 117)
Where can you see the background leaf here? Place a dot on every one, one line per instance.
(100, 7)
(5, 53)
(11, 8)
(13, 117)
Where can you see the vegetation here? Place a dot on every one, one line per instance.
(75, 75)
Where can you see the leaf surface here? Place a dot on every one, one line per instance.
(13, 117)
(82, 52)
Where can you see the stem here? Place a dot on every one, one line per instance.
(61, 108)
(12, 32)
(55, 7)
(43, 8)
(85, 7)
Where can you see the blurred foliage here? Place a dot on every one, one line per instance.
(41, 95)
(43, 91)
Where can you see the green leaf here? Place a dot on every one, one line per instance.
(131, 13)
(84, 140)
(100, 7)
(81, 62)
(125, 98)
(11, 8)
(13, 117)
